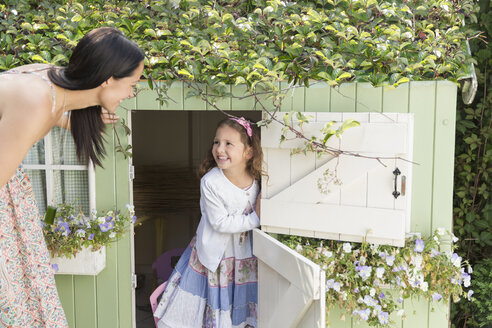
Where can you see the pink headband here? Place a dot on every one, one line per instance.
(245, 124)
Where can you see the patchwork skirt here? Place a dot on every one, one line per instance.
(28, 295)
(196, 297)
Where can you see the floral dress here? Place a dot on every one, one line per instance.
(28, 295)
(196, 297)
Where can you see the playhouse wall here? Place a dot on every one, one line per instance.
(106, 300)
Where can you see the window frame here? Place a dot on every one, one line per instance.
(49, 167)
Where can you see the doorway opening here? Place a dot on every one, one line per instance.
(168, 147)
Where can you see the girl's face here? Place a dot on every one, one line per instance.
(228, 150)
(116, 90)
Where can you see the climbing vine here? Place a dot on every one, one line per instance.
(265, 46)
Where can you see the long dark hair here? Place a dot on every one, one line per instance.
(102, 53)
(254, 165)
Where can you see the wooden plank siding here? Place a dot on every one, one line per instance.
(106, 300)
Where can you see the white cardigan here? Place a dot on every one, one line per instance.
(222, 205)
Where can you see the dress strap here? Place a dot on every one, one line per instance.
(36, 71)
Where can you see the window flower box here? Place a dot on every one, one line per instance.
(85, 262)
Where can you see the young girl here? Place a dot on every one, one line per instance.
(214, 283)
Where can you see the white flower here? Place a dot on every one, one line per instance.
(347, 248)
(441, 231)
(112, 235)
(469, 294)
(372, 292)
(455, 239)
(470, 270)
(80, 233)
(380, 272)
(424, 286)
(101, 220)
(362, 260)
(14, 12)
(298, 248)
(467, 280)
(336, 287)
(400, 312)
(417, 260)
(327, 253)
(130, 208)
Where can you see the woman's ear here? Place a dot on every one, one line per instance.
(108, 82)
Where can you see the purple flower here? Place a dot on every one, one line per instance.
(365, 272)
(419, 245)
(382, 295)
(91, 236)
(383, 317)
(435, 252)
(55, 267)
(363, 314)
(436, 296)
(64, 228)
(456, 260)
(466, 278)
(390, 260)
(134, 218)
(106, 226)
(400, 300)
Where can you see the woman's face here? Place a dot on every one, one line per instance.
(116, 90)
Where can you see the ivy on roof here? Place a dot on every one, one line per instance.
(256, 42)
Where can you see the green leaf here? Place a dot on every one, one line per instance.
(185, 73)
(38, 58)
(76, 18)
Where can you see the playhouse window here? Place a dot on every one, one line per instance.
(57, 176)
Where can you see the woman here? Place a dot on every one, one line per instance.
(102, 71)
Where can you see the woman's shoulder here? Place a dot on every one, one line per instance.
(25, 95)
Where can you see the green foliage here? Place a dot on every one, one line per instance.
(473, 175)
(71, 230)
(477, 313)
(256, 43)
(370, 282)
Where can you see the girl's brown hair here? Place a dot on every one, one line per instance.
(254, 165)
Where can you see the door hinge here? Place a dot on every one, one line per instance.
(131, 172)
(134, 281)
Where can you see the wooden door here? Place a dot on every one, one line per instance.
(291, 288)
